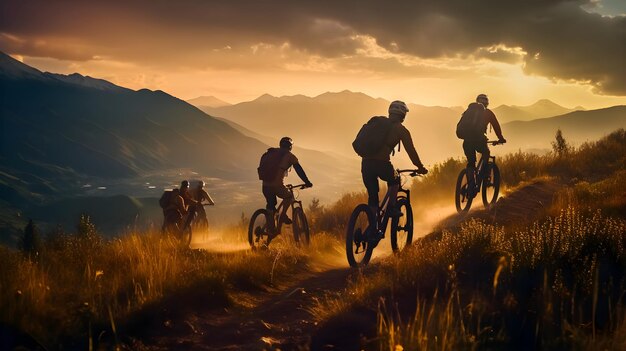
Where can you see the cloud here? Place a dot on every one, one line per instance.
(557, 39)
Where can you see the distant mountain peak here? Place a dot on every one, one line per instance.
(546, 103)
(265, 97)
(209, 101)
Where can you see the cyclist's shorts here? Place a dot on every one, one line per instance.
(371, 170)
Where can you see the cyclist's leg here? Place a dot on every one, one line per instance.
(482, 147)
(469, 148)
(285, 194)
(389, 175)
(270, 204)
(370, 180)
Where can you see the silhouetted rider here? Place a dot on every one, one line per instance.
(379, 164)
(275, 186)
(478, 141)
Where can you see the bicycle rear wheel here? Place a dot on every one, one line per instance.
(300, 227)
(491, 185)
(259, 229)
(360, 228)
(402, 227)
(463, 195)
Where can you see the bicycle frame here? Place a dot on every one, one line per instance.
(482, 164)
(382, 219)
(296, 203)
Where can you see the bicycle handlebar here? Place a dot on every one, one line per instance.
(299, 186)
(495, 142)
(412, 172)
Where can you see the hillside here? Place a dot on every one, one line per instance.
(577, 127)
(540, 109)
(331, 120)
(98, 129)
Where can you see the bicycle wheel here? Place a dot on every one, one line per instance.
(491, 185)
(462, 195)
(358, 248)
(259, 229)
(402, 227)
(185, 236)
(300, 227)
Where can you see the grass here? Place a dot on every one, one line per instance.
(557, 283)
(77, 288)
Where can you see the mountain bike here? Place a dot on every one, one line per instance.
(183, 232)
(470, 182)
(265, 226)
(366, 229)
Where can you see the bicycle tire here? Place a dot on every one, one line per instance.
(185, 236)
(355, 234)
(258, 229)
(462, 200)
(300, 227)
(491, 181)
(402, 233)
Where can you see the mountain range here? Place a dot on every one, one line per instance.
(331, 120)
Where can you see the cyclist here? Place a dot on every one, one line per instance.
(477, 140)
(379, 164)
(174, 211)
(273, 169)
(199, 194)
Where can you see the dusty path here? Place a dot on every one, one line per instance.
(277, 318)
(280, 317)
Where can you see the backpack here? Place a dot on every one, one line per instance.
(269, 165)
(372, 136)
(165, 199)
(472, 122)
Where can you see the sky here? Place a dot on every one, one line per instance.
(430, 52)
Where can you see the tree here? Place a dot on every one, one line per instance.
(560, 145)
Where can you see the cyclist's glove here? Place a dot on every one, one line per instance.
(501, 141)
(308, 184)
(422, 170)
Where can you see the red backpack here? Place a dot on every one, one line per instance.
(269, 165)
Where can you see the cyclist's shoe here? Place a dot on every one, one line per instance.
(285, 219)
(394, 212)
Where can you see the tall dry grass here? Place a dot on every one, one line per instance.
(80, 287)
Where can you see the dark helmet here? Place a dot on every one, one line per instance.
(483, 99)
(184, 184)
(286, 143)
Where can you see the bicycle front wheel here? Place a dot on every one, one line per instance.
(259, 229)
(463, 194)
(300, 227)
(185, 236)
(361, 227)
(402, 227)
(491, 185)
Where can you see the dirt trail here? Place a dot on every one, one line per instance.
(280, 317)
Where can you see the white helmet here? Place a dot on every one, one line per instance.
(398, 108)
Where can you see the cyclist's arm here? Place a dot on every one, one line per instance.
(300, 171)
(206, 196)
(180, 205)
(407, 141)
(491, 118)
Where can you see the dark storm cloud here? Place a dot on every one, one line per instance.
(562, 41)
